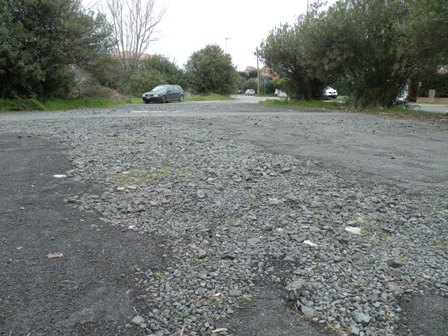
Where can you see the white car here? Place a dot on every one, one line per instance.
(249, 92)
(329, 92)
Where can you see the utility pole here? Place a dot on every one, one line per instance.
(307, 5)
(258, 74)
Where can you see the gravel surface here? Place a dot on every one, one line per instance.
(235, 218)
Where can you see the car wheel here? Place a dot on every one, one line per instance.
(181, 98)
(146, 101)
(163, 100)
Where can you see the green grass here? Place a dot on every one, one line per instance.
(343, 105)
(62, 104)
(266, 95)
(208, 97)
(315, 104)
(246, 298)
(7, 105)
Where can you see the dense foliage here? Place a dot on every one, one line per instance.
(368, 49)
(41, 41)
(153, 71)
(211, 70)
(374, 46)
(283, 51)
(437, 82)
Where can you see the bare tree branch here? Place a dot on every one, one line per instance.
(134, 25)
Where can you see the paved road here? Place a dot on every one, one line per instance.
(438, 108)
(432, 108)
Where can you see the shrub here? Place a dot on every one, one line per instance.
(21, 105)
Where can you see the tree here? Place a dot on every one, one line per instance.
(211, 70)
(107, 70)
(40, 40)
(169, 70)
(134, 25)
(378, 45)
(374, 46)
(363, 42)
(251, 83)
(283, 51)
(141, 81)
(154, 71)
(426, 39)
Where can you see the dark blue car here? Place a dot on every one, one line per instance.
(164, 94)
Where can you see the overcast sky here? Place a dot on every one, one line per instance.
(238, 26)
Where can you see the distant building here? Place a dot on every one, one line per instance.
(129, 55)
(130, 59)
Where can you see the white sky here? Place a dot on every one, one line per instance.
(189, 25)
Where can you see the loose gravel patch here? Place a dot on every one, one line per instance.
(236, 218)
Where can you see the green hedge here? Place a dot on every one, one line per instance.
(435, 82)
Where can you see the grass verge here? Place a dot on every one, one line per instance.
(7, 105)
(316, 104)
(208, 97)
(397, 112)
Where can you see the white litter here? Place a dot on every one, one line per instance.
(354, 230)
(60, 176)
(309, 242)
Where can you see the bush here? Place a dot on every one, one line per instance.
(250, 84)
(99, 91)
(435, 82)
(211, 70)
(21, 105)
(141, 81)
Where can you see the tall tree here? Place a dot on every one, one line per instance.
(39, 42)
(211, 70)
(168, 69)
(153, 71)
(134, 25)
(284, 52)
(377, 45)
(425, 39)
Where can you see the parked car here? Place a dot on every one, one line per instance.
(164, 94)
(249, 92)
(402, 97)
(329, 92)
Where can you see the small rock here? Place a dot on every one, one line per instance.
(294, 289)
(308, 312)
(394, 289)
(274, 201)
(228, 256)
(202, 254)
(394, 263)
(200, 193)
(354, 330)
(289, 258)
(235, 292)
(253, 241)
(361, 318)
(138, 320)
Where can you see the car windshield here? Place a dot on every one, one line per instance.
(159, 88)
